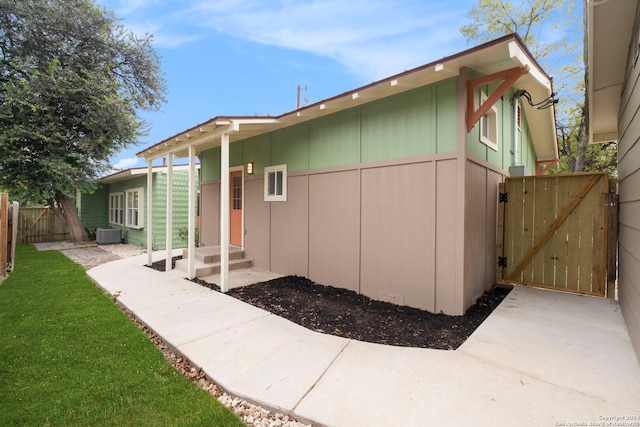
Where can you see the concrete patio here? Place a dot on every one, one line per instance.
(542, 358)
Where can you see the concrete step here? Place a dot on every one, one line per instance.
(211, 254)
(206, 269)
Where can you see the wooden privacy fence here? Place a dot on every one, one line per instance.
(8, 234)
(554, 232)
(41, 224)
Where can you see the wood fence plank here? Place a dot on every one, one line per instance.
(560, 235)
(40, 225)
(594, 235)
(33, 224)
(544, 214)
(528, 223)
(573, 202)
(515, 224)
(4, 234)
(577, 224)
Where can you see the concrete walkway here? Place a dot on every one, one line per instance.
(541, 359)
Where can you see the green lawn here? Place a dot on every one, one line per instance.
(69, 356)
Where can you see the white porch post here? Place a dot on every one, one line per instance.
(169, 227)
(149, 212)
(224, 212)
(191, 248)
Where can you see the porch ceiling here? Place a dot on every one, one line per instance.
(497, 55)
(610, 29)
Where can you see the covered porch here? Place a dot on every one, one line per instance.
(217, 132)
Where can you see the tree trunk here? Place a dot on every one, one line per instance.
(583, 141)
(66, 206)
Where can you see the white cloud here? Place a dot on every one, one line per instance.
(152, 17)
(127, 163)
(371, 38)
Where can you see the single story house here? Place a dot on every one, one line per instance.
(120, 202)
(390, 189)
(614, 95)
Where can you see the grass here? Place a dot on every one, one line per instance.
(70, 357)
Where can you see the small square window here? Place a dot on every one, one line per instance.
(275, 183)
(489, 125)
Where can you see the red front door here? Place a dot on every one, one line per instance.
(235, 220)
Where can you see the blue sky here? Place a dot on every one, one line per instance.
(247, 57)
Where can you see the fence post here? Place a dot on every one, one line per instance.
(13, 234)
(4, 235)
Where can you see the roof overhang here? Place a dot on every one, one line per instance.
(126, 174)
(609, 38)
(498, 55)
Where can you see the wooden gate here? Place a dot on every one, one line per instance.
(554, 232)
(41, 224)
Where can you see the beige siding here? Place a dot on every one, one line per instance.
(397, 231)
(334, 229)
(257, 219)
(447, 292)
(388, 230)
(209, 214)
(290, 229)
(480, 230)
(629, 178)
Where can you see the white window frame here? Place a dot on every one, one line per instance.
(489, 125)
(116, 210)
(272, 194)
(130, 210)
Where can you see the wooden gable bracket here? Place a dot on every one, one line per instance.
(542, 166)
(509, 76)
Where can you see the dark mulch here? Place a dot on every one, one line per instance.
(345, 313)
(160, 265)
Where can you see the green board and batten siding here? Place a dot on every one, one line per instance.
(93, 209)
(419, 122)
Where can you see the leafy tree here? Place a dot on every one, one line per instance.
(539, 22)
(72, 81)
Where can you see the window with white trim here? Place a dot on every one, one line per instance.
(133, 204)
(275, 183)
(489, 125)
(116, 208)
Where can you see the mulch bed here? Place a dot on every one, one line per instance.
(345, 313)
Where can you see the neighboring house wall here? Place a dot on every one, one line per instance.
(94, 209)
(629, 195)
(132, 235)
(381, 200)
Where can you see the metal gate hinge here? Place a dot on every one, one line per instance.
(503, 197)
(502, 261)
